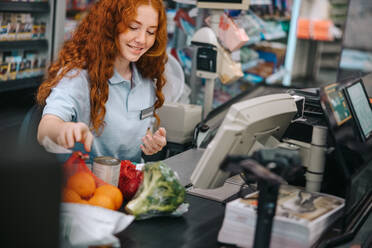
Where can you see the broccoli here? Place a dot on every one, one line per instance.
(159, 193)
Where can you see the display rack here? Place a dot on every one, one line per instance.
(43, 10)
(266, 22)
(30, 44)
(35, 7)
(17, 95)
(19, 84)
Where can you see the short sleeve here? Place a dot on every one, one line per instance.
(69, 100)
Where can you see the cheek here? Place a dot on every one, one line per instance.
(150, 42)
(120, 42)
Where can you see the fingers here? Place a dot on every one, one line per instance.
(75, 132)
(161, 131)
(70, 139)
(154, 143)
(83, 135)
(88, 141)
(150, 145)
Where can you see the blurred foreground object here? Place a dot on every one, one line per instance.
(84, 225)
(30, 180)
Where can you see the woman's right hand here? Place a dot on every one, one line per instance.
(72, 132)
(63, 133)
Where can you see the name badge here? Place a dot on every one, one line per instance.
(148, 112)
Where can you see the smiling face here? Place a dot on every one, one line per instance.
(140, 35)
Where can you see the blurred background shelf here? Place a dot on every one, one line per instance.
(24, 6)
(29, 44)
(18, 84)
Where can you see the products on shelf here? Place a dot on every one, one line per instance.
(76, 10)
(78, 4)
(13, 65)
(317, 30)
(29, 1)
(20, 26)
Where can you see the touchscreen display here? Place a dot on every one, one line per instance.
(361, 108)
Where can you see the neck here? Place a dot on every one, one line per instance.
(123, 68)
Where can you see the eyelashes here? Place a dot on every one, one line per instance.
(136, 28)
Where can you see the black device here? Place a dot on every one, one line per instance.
(206, 59)
(350, 174)
(312, 106)
(30, 182)
(360, 107)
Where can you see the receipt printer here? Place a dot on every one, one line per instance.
(207, 55)
(179, 120)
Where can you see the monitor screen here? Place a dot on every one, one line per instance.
(223, 4)
(360, 107)
(248, 126)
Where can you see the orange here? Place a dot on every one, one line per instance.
(83, 183)
(69, 195)
(113, 192)
(82, 201)
(102, 201)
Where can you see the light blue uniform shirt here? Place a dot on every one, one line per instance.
(123, 130)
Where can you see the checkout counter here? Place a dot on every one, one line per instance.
(199, 227)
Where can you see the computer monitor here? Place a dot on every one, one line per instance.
(360, 108)
(248, 126)
(223, 4)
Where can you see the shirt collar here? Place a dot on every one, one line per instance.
(117, 78)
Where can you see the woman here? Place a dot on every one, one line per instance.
(107, 81)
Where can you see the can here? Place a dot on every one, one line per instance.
(107, 168)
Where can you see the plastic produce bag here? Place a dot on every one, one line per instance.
(160, 193)
(84, 225)
(82, 186)
(76, 163)
(230, 70)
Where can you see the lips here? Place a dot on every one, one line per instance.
(135, 49)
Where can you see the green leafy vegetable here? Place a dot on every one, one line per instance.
(159, 193)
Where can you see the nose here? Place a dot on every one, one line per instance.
(141, 37)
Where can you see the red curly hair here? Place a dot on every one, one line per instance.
(93, 47)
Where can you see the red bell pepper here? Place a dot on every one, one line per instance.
(129, 180)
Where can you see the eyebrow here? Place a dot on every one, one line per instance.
(155, 26)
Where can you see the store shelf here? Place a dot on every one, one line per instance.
(7, 6)
(23, 44)
(75, 11)
(20, 83)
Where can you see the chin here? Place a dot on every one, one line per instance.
(134, 58)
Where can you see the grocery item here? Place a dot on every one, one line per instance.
(82, 183)
(160, 192)
(129, 180)
(69, 195)
(102, 200)
(82, 186)
(107, 168)
(113, 192)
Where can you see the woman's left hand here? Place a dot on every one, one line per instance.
(153, 143)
